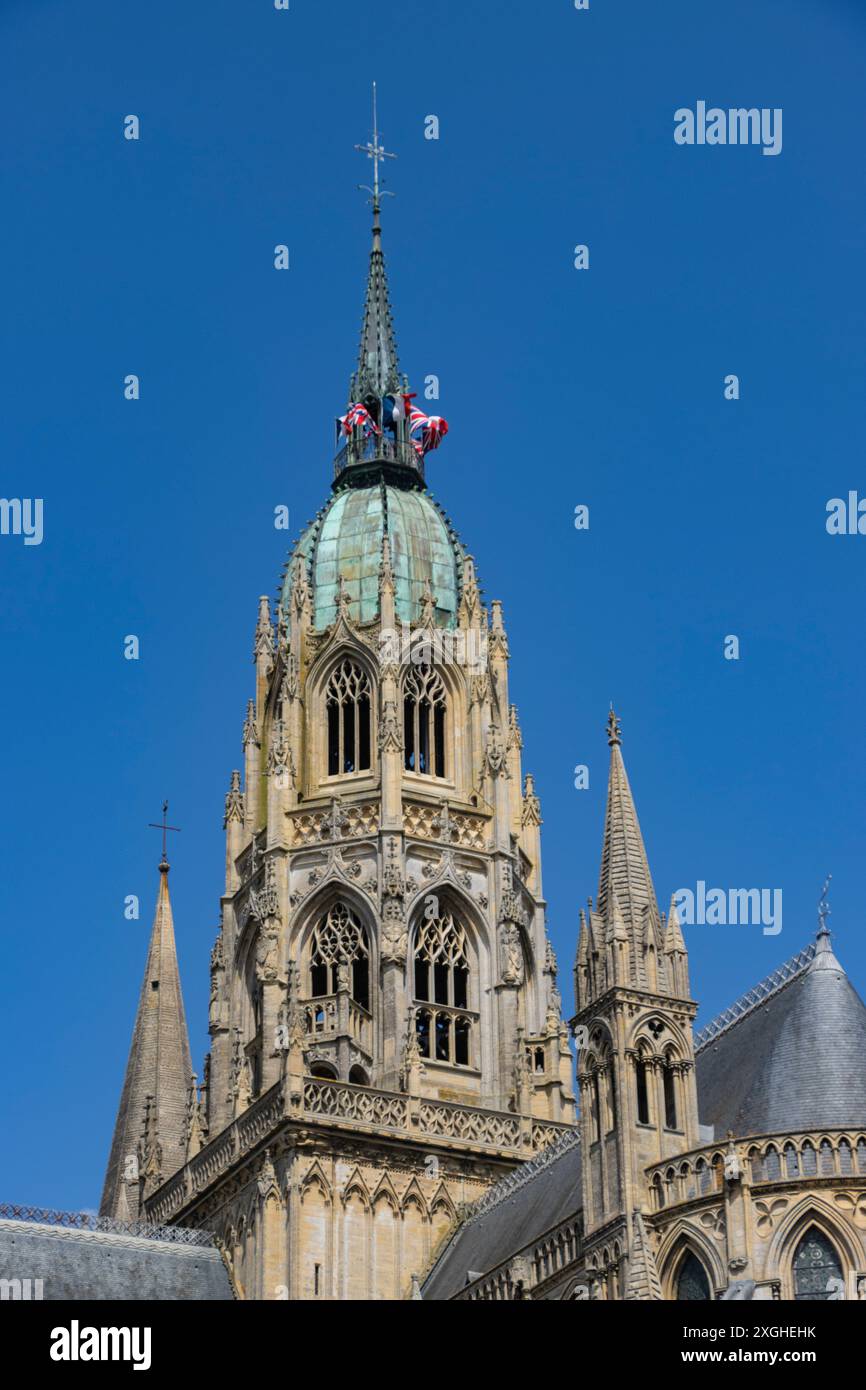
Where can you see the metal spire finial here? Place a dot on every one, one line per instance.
(163, 826)
(378, 371)
(824, 908)
(377, 152)
(614, 735)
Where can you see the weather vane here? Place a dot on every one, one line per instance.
(823, 905)
(164, 827)
(373, 150)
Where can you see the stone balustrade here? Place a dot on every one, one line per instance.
(362, 1109)
(765, 1160)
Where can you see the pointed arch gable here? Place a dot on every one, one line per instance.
(318, 903)
(813, 1210)
(413, 1194)
(680, 1238)
(442, 1199)
(315, 1177)
(343, 642)
(640, 1036)
(311, 913)
(449, 891)
(384, 1192)
(355, 1186)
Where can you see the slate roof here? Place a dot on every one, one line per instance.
(794, 1060)
(512, 1214)
(86, 1264)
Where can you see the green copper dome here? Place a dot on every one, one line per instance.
(346, 539)
(378, 489)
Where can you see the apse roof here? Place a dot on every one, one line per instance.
(794, 1058)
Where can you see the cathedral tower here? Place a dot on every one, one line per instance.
(633, 1025)
(386, 1027)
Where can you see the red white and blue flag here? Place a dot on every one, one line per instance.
(433, 430)
(417, 419)
(433, 433)
(396, 408)
(356, 416)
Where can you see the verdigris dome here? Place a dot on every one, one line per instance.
(379, 489)
(346, 539)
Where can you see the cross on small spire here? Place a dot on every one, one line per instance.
(824, 908)
(373, 150)
(164, 827)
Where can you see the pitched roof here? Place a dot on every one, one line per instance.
(158, 1066)
(77, 1264)
(512, 1214)
(791, 1056)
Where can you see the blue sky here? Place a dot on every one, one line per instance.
(604, 387)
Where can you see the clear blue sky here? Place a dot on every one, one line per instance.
(603, 387)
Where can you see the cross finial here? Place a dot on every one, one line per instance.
(824, 908)
(164, 827)
(613, 729)
(377, 152)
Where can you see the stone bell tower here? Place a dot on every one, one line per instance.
(385, 1021)
(633, 1025)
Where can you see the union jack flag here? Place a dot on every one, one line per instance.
(433, 430)
(433, 433)
(355, 416)
(417, 419)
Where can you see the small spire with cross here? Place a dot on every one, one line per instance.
(377, 152)
(164, 827)
(824, 908)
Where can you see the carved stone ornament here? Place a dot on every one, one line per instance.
(510, 954)
(390, 729)
(234, 812)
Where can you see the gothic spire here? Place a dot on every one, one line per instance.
(625, 875)
(158, 1066)
(378, 371)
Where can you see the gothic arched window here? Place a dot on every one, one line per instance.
(441, 966)
(424, 707)
(817, 1271)
(340, 945)
(348, 705)
(692, 1282)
